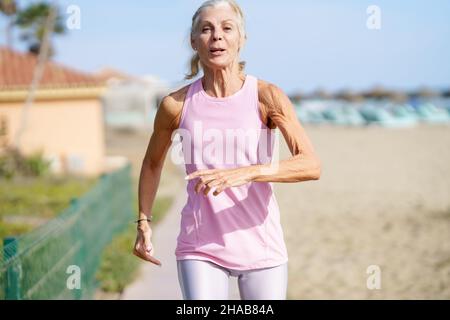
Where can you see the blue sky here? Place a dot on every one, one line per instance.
(298, 45)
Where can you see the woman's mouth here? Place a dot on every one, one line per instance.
(217, 52)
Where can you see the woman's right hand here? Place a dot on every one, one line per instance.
(143, 248)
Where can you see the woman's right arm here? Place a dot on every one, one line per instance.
(164, 124)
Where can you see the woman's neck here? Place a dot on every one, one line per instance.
(222, 83)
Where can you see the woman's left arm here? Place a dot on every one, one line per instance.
(304, 164)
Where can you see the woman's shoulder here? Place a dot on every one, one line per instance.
(175, 97)
(268, 91)
(171, 104)
(272, 101)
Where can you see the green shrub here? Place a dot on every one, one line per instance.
(42, 196)
(7, 167)
(14, 163)
(36, 165)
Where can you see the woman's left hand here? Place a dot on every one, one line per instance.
(220, 179)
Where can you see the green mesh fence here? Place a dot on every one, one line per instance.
(47, 262)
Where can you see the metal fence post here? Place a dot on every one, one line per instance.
(78, 293)
(12, 287)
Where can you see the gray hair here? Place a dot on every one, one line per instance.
(195, 63)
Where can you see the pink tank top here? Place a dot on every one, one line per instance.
(239, 228)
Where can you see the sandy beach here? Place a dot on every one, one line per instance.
(383, 200)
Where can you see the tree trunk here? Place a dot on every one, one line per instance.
(37, 75)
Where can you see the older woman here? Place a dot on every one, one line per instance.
(230, 224)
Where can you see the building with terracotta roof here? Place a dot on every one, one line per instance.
(66, 119)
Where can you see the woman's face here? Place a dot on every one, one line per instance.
(217, 29)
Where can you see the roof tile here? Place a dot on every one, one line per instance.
(16, 72)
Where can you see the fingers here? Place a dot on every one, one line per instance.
(217, 191)
(213, 179)
(218, 184)
(146, 256)
(212, 186)
(147, 243)
(144, 250)
(198, 173)
(202, 182)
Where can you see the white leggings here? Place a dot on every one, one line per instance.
(205, 280)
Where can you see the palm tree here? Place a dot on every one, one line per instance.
(9, 9)
(32, 20)
(44, 53)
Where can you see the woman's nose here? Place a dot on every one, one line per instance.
(217, 35)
